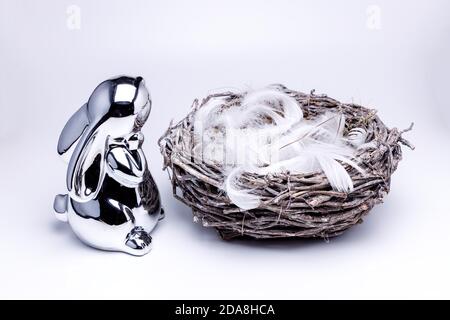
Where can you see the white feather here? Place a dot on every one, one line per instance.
(242, 198)
(267, 133)
(337, 176)
(357, 137)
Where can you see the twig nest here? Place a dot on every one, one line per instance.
(283, 199)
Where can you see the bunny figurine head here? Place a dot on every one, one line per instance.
(112, 201)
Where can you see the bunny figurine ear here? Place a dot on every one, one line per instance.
(86, 167)
(89, 151)
(76, 146)
(72, 132)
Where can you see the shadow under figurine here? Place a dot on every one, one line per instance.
(113, 202)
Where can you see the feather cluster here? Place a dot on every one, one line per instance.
(267, 134)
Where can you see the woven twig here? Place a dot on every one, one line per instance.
(293, 205)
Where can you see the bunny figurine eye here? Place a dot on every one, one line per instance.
(112, 202)
(136, 141)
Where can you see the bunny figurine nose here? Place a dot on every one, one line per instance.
(138, 81)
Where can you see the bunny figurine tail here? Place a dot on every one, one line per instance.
(60, 206)
(112, 202)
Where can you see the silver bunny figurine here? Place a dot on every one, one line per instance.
(113, 202)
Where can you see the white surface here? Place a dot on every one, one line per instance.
(183, 49)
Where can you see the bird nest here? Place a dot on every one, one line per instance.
(293, 205)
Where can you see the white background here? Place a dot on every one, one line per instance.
(397, 62)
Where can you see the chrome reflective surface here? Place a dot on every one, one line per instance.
(112, 202)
